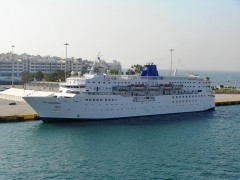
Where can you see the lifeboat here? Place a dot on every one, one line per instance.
(177, 87)
(138, 87)
(153, 87)
(123, 88)
(166, 86)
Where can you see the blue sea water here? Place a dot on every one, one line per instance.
(225, 78)
(202, 145)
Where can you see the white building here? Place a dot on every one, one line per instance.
(17, 64)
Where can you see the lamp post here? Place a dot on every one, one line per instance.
(66, 44)
(12, 64)
(171, 50)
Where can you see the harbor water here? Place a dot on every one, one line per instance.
(202, 145)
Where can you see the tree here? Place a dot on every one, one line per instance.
(137, 68)
(130, 72)
(113, 71)
(27, 77)
(39, 76)
(56, 76)
(61, 75)
(48, 77)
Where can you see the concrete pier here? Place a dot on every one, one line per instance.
(227, 99)
(16, 113)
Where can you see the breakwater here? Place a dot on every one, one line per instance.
(226, 103)
(227, 99)
(19, 118)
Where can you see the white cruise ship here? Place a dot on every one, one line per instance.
(101, 97)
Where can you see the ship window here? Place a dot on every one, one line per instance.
(103, 82)
(101, 100)
(86, 99)
(105, 99)
(93, 82)
(97, 99)
(98, 82)
(90, 99)
(93, 99)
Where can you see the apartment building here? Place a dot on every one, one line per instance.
(17, 64)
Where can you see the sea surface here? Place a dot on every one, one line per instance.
(225, 78)
(204, 145)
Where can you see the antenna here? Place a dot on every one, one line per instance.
(99, 56)
(171, 50)
(175, 72)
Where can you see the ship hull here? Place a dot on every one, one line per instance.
(68, 120)
(113, 107)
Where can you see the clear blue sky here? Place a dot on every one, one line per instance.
(204, 34)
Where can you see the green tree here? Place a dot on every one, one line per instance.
(56, 76)
(137, 68)
(130, 72)
(39, 76)
(27, 77)
(113, 71)
(48, 77)
(61, 75)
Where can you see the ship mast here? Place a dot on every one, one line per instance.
(171, 50)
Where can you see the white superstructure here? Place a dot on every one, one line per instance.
(97, 97)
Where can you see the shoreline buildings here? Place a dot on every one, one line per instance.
(14, 65)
